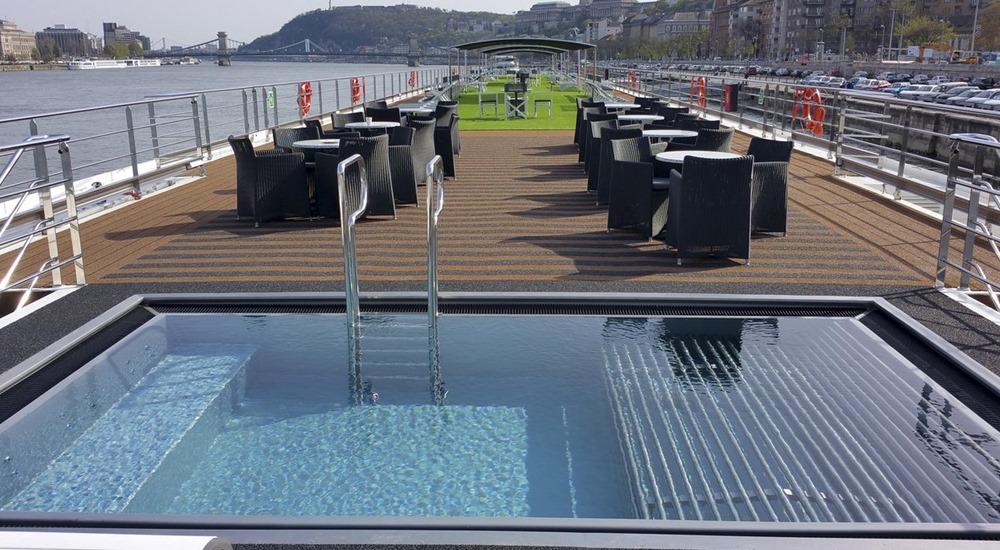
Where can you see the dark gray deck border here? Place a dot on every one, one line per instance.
(514, 531)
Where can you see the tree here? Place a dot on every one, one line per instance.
(116, 50)
(35, 54)
(925, 32)
(989, 20)
(134, 49)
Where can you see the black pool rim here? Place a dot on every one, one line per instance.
(21, 385)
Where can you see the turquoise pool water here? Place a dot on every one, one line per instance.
(774, 420)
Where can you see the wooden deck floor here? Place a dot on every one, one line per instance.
(517, 213)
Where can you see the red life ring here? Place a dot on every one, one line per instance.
(355, 90)
(807, 108)
(305, 98)
(413, 79)
(699, 88)
(633, 79)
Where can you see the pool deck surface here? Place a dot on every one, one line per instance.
(517, 218)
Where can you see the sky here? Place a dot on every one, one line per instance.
(187, 22)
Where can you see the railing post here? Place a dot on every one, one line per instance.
(133, 156)
(45, 198)
(267, 117)
(336, 92)
(198, 143)
(76, 244)
(274, 94)
(256, 111)
(319, 88)
(904, 142)
(832, 149)
(947, 214)
(204, 122)
(838, 145)
(385, 94)
(972, 217)
(246, 113)
(153, 133)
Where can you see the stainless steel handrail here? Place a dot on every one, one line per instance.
(49, 225)
(348, 218)
(435, 205)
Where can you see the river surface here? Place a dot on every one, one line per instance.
(35, 92)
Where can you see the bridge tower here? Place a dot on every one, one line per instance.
(225, 57)
(413, 57)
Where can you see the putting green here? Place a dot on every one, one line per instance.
(563, 109)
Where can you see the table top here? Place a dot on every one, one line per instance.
(666, 133)
(621, 106)
(679, 156)
(373, 124)
(417, 109)
(640, 117)
(317, 144)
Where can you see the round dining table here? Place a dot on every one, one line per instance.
(415, 109)
(677, 157)
(667, 134)
(640, 118)
(317, 144)
(621, 106)
(373, 125)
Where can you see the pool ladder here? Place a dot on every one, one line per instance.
(352, 207)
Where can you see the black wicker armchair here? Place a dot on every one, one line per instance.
(604, 151)
(341, 120)
(770, 197)
(376, 104)
(284, 137)
(646, 102)
(707, 140)
(770, 150)
(270, 185)
(375, 152)
(594, 151)
(326, 194)
(422, 146)
(329, 134)
(669, 113)
(585, 129)
(581, 105)
(709, 208)
(443, 140)
(443, 113)
(637, 199)
(588, 138)
(404, 171)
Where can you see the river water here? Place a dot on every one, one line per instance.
(35, 92)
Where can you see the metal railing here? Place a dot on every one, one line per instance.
(973, 227)
(125, 150)
(52, 221)
(435, 205)
(352, 300)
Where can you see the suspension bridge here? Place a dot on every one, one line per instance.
(224, 49)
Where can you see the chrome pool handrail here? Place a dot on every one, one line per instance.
(352, 305)
(435, 205)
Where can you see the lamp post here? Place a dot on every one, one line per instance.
(975, 27)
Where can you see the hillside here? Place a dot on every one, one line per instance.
(346, 29)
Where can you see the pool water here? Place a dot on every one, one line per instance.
(756, 419)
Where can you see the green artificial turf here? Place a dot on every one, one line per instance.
(563, 109)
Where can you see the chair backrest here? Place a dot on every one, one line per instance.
(598, 117)
(631, 150)
(597, 127)
(341, 120)
(712, 206)
(590, 104)
(401, 135)
(285, 137)
(341, 134)
(388, 114)
(770, 150)
(246, 173)
(377, 104)
(686, 121)
(621, 132)
(646, 102)
(315, 123)
(375, 151)
(714, 140)
(443, 113)
(705, 124)
(242, 148)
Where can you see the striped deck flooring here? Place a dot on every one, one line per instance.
(517, 213)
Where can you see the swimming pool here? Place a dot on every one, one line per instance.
(674, 414)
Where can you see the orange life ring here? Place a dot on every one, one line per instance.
(807, 107)
(633, 79)
(305, 98)
(413, 79)
(355, 91)
(699, 88)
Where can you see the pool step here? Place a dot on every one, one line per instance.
(395, 362)
(109, 465)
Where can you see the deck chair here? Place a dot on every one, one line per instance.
(491, 99)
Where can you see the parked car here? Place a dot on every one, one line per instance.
(897, 87)
(939, 79)
(916, 91)
(920, 79)
(984, 82)
(948, 91)
(960, 98)
(993, 104)
(835, 82)
(977, 101)
(781, 71)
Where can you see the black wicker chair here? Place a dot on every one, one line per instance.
(669, 113)
(443, 141)
(709, 208)
(270, 185)
(284, 137)
(594, 151)
(604, 151)
(423, 145)
(585, 130)
(770, 150)
(388, 114)
(376, 104)
(637, 200)
(375, 151)
(707, 140)
(327, 194)
(404, 172)
(588, 138)
(770, 197)
(581, 105)
(680, 118)
(329, 134)
(443, 113)
(341, 120)
(646, 102)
